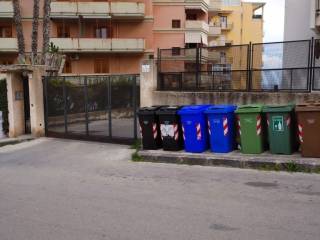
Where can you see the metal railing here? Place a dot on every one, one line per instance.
(291, 66)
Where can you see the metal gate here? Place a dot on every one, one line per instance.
(93, 107)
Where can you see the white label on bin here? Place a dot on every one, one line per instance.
(167, 130)
(277, 123)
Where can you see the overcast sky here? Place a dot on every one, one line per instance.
(273, 19)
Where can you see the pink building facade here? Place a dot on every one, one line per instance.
(100, 37)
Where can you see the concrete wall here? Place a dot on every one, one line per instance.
(150, 96)
(299, 20)
(16, 102)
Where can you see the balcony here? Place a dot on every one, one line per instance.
(126, 10)
(197, 5)
(197, 25)
(8, 45)
(227, 26)
(6, 9)
(215, 5)
(214, 31)
(98, 45)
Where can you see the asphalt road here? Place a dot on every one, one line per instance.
(63, 190)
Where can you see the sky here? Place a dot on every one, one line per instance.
(273, 19)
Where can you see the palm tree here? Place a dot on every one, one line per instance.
(19, 29)
(35, 26)
(46, 28)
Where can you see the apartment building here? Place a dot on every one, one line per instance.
(96, 36)
(302, 19)
(100, 36)
(236, 22)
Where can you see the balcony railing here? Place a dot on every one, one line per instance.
(6, 9)
(214, 31)
(99, 45)
(223, 26)
(198, 4)
(8, 45)
(197, 25)
(97, 9)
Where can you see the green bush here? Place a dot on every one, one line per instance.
(4, 104)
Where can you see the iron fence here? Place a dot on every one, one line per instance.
(316, 66)
(278, 66)
(92, 107)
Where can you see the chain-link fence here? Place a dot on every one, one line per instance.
(93, 107)
(278, 66)
(207, 68)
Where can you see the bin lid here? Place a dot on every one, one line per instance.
(221, 109)
(193, 109)
(148, 110)
(308, 107)
(252, 108)
(278, 108)
(168, 110)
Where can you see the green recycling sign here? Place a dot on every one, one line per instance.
(277, 124)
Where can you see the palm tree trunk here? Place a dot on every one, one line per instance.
(35, 26)
(19, 29)
(46, 28)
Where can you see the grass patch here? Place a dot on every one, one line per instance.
(293, 167)
(136, 145)
(135, 157)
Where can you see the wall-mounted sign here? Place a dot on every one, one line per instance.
(145, 68)
(18, 95)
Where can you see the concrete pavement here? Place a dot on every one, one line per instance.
(60, 189)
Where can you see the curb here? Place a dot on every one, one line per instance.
(266, 161)
(12, 141)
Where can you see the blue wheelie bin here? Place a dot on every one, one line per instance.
(221, 124)
(194, 128)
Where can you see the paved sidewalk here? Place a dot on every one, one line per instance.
(235, 159)
(20, 139)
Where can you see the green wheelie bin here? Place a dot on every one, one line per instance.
(282, 133)
(251, 128)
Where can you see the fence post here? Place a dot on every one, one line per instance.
(311, 65)
(109, 106)
(249, 67)
(159, 79)
(135, 134)
(86, 104)
(197, 66)
(65, 103)
(45, 97)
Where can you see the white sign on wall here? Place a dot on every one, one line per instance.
(145, 68)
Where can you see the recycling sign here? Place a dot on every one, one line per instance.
(277, 123)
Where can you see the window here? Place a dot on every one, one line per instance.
(175, 51)
(67, 66)
(191, 16)
(176, 23)
(63, 31)
(5, 32)
(223, 21)
(103, 32)
(101, 65)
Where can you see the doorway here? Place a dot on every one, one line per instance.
(26, 99)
